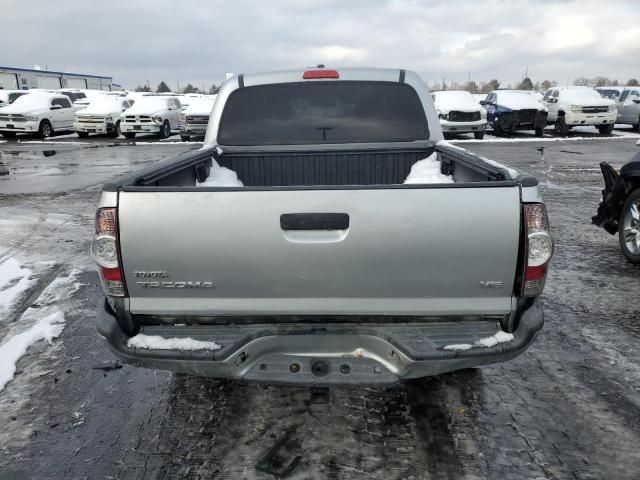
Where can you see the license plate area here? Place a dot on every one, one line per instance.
(137, 127)
(10, 125)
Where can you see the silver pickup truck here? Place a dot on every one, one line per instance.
(319, 265)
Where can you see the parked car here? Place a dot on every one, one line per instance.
(612, 93)
(459, 112)
(101, 116)
(619, 210)
(195, 118)
(7, 97)
(39, 113)
(579, 106)
(325, 234)
(511, 110)
(627, 104)
(152, 114)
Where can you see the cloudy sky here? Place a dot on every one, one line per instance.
(187, 41)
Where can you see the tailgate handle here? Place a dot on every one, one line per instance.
(314, 221)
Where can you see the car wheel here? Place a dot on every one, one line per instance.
(129, 135)
(8, 134)
(636, 127)
(478, 135)
(165, 131)
(116, 131)
(45, 130)
(629, 227)
(538, 132)
(561, 126)
(185, 138)
(497, 130)
(83, 134)
(605, 129)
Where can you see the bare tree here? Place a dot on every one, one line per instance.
(633, 82)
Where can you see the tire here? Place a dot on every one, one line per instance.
(8, 134)
(628, 224)
(185, 138)
(478, 135)
(606, 129)
(561, 126)
(129, 135)
(165, 131)
(497, 130)
(636, 127)
(83, 134)
(116, 131)
(45, 130)
(538, 132)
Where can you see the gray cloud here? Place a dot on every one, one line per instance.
(199, 41)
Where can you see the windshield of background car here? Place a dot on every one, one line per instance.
(32, 101)
(323, 112)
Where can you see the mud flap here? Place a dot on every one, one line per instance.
(613, 196)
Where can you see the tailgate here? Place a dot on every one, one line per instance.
(393, 251)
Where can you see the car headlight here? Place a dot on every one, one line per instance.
(611, 109)
(31, 118)
(183, 118)
(109, 119)
(157, 118)
(576, 108)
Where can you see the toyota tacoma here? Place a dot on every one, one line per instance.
(325, 234)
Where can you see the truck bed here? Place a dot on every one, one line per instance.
(323, 166)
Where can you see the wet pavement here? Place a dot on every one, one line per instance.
(567, 408)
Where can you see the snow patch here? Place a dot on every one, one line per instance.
(220, 177)
(427, 170)
(12, 350)
(156, 342)
(487, 342)
(14, 281)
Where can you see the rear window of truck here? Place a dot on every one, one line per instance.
(310, 113)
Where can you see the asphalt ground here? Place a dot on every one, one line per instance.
(567, 408)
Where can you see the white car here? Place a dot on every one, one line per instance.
(152, 114)
(7, 97)
(459, 112)
(195, 118)
(39, 113)
(101, 116)
(579, 106)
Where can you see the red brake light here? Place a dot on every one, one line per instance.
(106, 252)
(538, 249)
(313, 74)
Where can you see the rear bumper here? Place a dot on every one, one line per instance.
(349, 353)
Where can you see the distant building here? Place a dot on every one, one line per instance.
(12, 78)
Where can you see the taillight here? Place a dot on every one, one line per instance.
(538, 249)
(106, 252)
(311, 74)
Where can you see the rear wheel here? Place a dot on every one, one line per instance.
(185, 138)
(538, 132)
(497, 130)
(83, 134)
(478, 135)
(165, 131)
(605, 129)
(45, 130)
(629, 227)
(9, 134)
(129, 135)
(561, 126)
